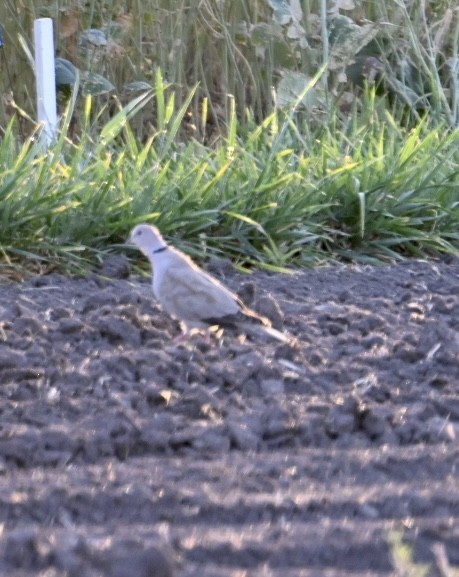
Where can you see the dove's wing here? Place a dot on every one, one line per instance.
(242, 316)
(191, 295)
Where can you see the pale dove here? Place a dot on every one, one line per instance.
(191, 295)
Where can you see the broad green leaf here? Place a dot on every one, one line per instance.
(93, 37)
(137, 86)
(95, 84)
(66, 72)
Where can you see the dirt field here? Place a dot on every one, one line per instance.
(124, 455)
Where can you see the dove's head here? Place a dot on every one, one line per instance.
(147, 238)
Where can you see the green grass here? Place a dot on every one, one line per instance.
(264, 136)
(283, 194)
(405, 565)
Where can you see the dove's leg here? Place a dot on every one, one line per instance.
(209, 333)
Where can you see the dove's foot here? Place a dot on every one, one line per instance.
(187, 335)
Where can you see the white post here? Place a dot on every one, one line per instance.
(45, 78)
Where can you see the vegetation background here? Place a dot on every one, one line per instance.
(275, 132)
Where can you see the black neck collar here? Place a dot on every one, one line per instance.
(160, 249)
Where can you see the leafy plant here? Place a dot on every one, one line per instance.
(243, 50)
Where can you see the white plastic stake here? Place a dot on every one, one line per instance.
(45, 78)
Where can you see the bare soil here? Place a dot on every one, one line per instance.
(123, 454)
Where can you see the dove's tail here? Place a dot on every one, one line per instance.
(252, 324)
(278, 335)
(267, 331)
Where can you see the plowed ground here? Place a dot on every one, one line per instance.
(123, 454)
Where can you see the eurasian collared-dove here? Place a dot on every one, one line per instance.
(190, 294)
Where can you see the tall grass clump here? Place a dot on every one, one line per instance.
(280, 195)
